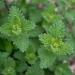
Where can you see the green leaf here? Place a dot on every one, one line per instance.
(35, 70)
(21, 66)
(9, 71)
(33, 14)
(3, 58)
(35, 32)
(19, 55)
(58, 28)
(30, 55)
(47, 59)
(70, 16)
(9, 62)
(63, 69)
(8, 46)
(21, 42)
(49, 14)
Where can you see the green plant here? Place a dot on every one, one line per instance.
(36, 37)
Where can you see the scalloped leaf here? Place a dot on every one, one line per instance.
(35, 70)
(47, 59)
(63, 70)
